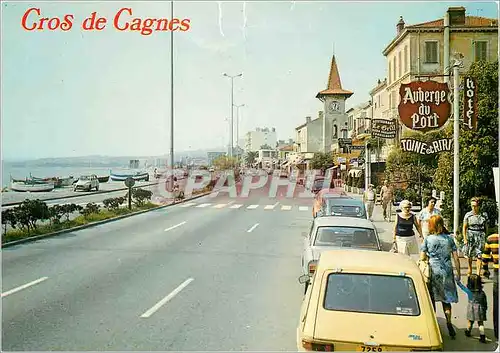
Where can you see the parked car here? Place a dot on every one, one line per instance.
(87, 182)
(367, 301)
(344, 206)
(329, 232)
(325, 194)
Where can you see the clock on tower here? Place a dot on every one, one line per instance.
(334, 106)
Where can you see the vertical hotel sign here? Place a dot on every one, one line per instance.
(470, 103)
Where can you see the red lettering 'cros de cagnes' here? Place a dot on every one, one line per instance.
(32, 20)
(125, 21)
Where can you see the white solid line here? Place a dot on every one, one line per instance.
(204, 205)
(271, 207)
(236, 206)
(253, 227)
(189, 204)
(252, 207)
(177, 225)
(220, 205)
(166, 299)
(303, 208)
(286, 208)
(24, 286)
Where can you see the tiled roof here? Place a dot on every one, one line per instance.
(470, 21)
(334, 83)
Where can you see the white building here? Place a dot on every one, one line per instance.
(260, 137)
(358, 121)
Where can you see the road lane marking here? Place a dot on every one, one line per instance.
(189, 204)
(167, 298)
(253, 227)
(220, 205)
(236, 206)
(252, 207)
(303, 208)
(286, 208)
(204, 205)
(24, 286)
(177, 225)
(271, 207)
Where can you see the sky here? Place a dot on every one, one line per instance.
(107, 92)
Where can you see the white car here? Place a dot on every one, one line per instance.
(87, 182)
(332, 232)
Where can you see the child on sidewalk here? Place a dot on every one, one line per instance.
(477, 306)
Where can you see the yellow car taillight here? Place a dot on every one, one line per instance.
(312, 267)
(317, 347)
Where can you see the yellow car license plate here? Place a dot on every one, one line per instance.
(369, 349)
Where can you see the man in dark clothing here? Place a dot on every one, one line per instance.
(490, 254)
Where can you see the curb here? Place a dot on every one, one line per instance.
(81, 195)
(96, 223)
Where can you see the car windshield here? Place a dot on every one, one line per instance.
(84, 177)
(345, 207)
(353, 237)
(366, 293)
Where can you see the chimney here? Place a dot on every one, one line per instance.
(320, 114)
(456, 15)
(400, 26)
(308, 119)
(273, 129)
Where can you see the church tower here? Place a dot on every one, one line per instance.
(334, 116)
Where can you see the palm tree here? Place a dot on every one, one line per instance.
(250, 157)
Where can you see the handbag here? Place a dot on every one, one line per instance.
(425, 268)
(394, 248)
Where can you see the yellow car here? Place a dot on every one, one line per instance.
(369, 302)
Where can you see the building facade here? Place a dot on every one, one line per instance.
(428, 49)
(254, 140)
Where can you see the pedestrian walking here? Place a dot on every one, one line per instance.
(490, 254)
(474, 235)
(426, 213)
(369, 200)
(403, 234)
(387, 197)
(439, 248)
(477, 306)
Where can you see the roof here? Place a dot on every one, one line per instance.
(379, 86)
(368, 261)
(286, 148)
(471, 22)
(325, 221)
(334, 84)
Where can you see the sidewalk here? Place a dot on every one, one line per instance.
(459, 310)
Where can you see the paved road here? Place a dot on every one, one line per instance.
(212, 274)
(239, 266)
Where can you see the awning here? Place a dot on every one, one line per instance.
(331, 168)
(355, 173)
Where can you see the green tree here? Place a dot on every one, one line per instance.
(225, 162)
(250, 157)
(478, 148)
(322, 161)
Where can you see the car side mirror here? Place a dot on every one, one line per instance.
(304, 279)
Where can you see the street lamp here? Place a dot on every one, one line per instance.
(232, 105)
(172, 90)
(238, 123)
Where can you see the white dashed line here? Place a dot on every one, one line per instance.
(236, 206)
(286, 208)
(177, 225)
(253, 227)
(221, 205)
(189, 204)
(303, 208)
(252, 207)
(166, 299)
(24, 286)
(204, 205)
(271, 207)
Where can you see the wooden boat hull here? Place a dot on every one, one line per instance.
(136, 176)
(104, 179)
(31, 187)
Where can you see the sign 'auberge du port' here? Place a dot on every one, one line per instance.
(424, 105)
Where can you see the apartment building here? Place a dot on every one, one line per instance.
(358, 119)
(260, 137)
(428, 49)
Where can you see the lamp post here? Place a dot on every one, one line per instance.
(232, 116)
(456, 145)
(172, 90)
(238, 123)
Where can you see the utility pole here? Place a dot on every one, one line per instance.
(456, 145)
(172, 90)
(232, 112)
(238, 123)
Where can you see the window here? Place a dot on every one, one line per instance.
(335, 128)
(400, 68)
(407, 67)
(390, 73)
(394, 69)
(350, 237)
(480, 50)
(431, 52)
(376, 294)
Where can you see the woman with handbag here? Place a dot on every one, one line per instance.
(438, 249)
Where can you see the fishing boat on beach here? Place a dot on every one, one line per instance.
(137, 176)
(28, 186)
(58, 182)
(103, 179)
